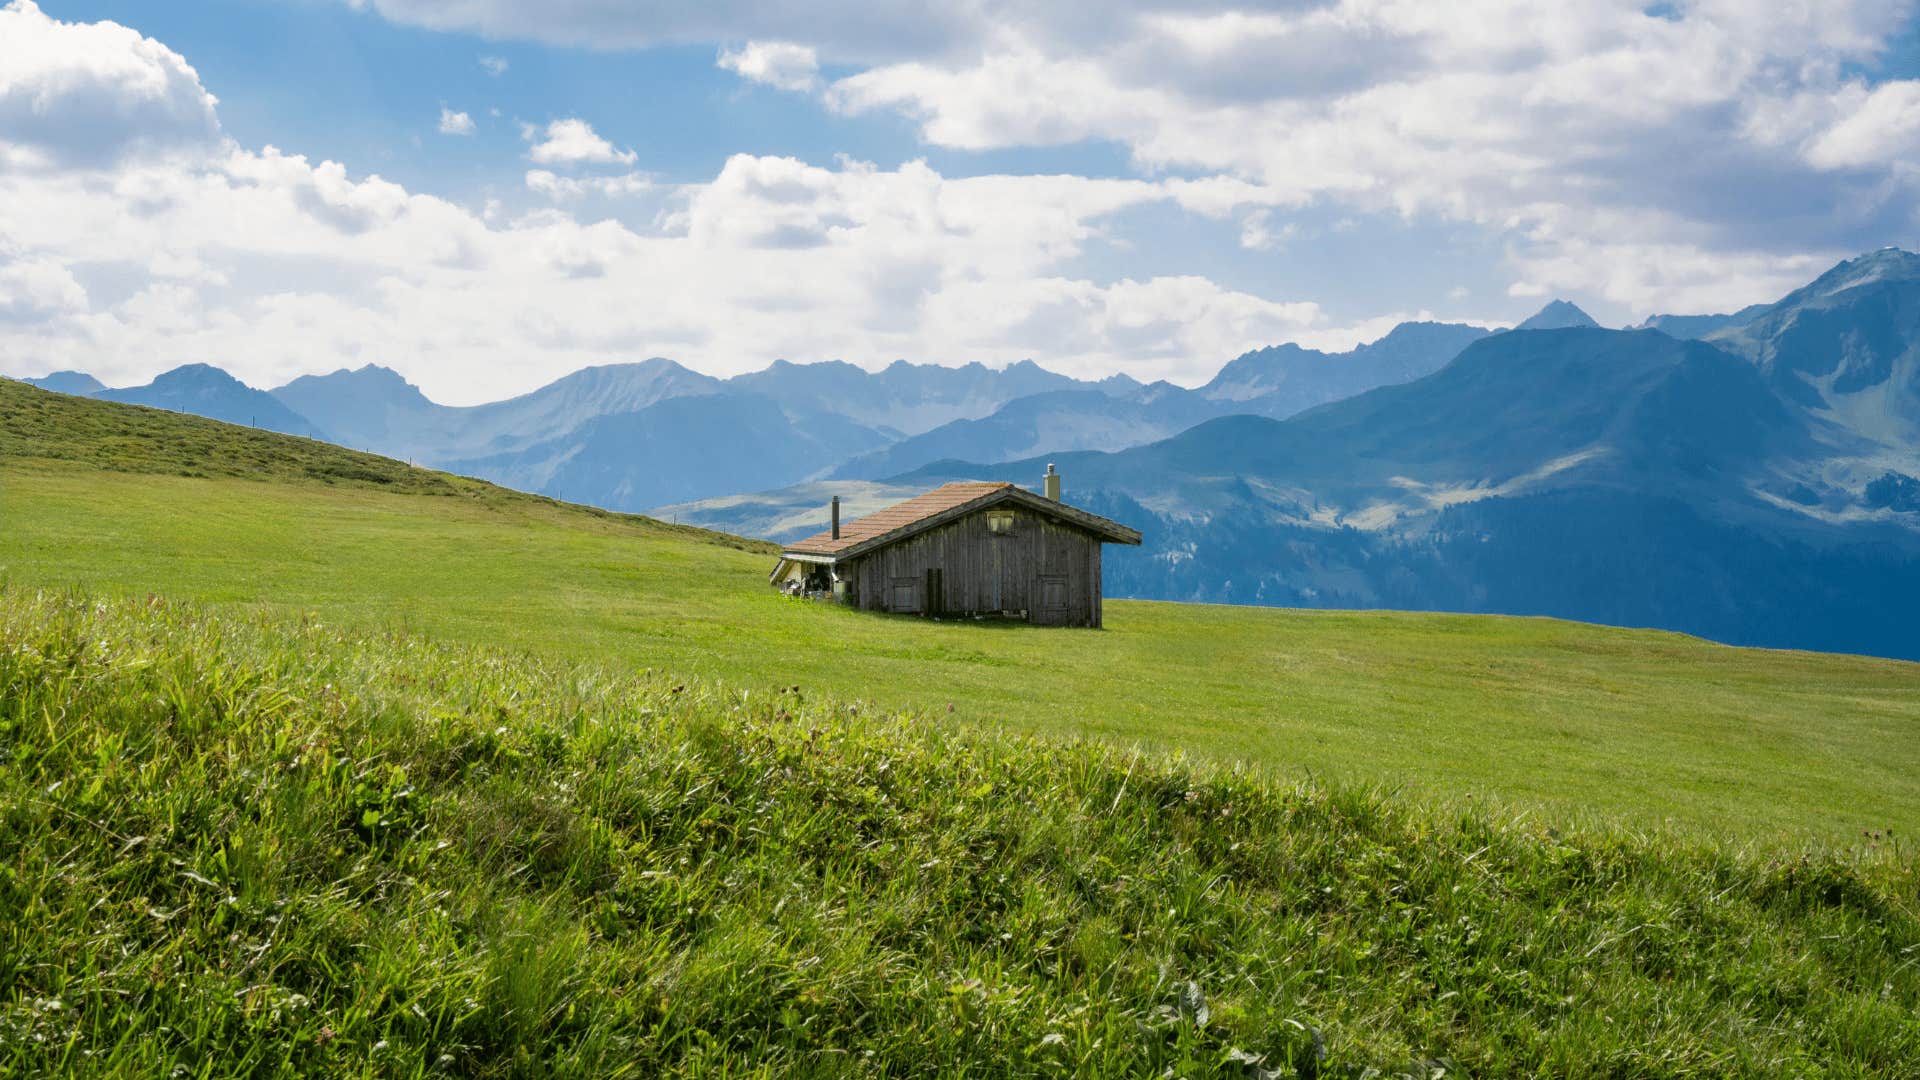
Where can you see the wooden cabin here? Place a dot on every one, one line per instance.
(970, 549)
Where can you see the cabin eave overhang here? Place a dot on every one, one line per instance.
(810, 557)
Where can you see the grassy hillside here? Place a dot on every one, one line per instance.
(41, 430)
(242, 846)
(1639, 727)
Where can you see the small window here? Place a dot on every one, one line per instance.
(1000, 522)
(1053, 593)
(903, 598)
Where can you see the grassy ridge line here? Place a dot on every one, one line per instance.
(40, 424)
(247, 847)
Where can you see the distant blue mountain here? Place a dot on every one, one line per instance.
(205, 390)
(1118, 413)
(374, 408)
(633, 436)
(1558, 315)
(363, 408)
(1284, 379)
(1038, 423)
(904, 398)
(1848, 345)
(575, 399)
(1694, 327)
(78, 383)
(676, 449)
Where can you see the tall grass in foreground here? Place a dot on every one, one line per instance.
(233, 847)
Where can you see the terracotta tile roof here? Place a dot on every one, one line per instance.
(898, 516)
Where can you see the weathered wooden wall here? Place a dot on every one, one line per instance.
(1043, 567)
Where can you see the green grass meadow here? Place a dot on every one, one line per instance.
(240, 846)
(312, 763)
(1640, 726)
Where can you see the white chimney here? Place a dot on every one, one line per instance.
(1052, 483)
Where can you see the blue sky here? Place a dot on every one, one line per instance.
(332, 82)
(1152, 190)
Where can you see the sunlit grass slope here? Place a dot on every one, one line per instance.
(1640, 727)
(241, 846)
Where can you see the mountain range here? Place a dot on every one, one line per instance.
(634, 436)
(205, 390)
(68, 382)
(1558, 315)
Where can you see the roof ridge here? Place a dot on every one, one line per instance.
(902, 517)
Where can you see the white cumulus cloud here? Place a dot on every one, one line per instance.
(553, 185)
(1259, 233)
(93, 93)
(455, 123)
(779, 64)
(573, 141)
(1880, 127)
(35, 290)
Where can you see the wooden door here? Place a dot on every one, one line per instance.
(1050, 605)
